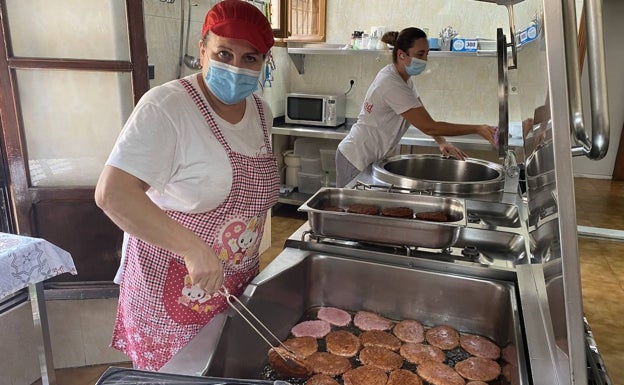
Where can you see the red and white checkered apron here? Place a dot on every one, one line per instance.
(159, 312)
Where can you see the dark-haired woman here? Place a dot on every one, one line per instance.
(391, 105)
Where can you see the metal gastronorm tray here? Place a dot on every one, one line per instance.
(381, 229)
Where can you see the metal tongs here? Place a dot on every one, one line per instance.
(290, 364)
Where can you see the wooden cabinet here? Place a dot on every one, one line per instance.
(299, 20)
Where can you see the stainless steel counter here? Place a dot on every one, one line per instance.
(413, 136)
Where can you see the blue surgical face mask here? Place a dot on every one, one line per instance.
(231, 84)
(416, 67)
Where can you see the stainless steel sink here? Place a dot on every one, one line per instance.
(492, 214)
(438, 174)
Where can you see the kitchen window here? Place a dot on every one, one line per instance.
(299, 20)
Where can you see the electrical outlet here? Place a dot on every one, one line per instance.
(150, 71)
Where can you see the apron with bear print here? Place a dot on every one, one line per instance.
(159, 310)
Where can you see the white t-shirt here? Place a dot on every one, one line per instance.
(168, 144)
(380, 126)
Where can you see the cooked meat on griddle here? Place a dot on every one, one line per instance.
(409, 331)
(433, 216)
(510, 355)
(478, 369)
(439, 374)
(334, 316)
(332, 208)
(302, 346)
(327, 363)
(290, 367)
(511, 374)
(419, 353)
(476, 383)
(403, 377)
(321, 379)
(443, 337)
(380, 339)
(366, 320)
(397, 212)
(342, 343)
(365, 375)
(314, 328)
(358, 208)
(479, 346)
(380, 357)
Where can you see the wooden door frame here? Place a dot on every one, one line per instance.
(14, 152)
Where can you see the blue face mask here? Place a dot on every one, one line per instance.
(416, 67)
(231, 84)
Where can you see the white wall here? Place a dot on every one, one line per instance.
(80, 332)
(614, 30)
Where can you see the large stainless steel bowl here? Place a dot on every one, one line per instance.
(440, 175)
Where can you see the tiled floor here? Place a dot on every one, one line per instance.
(600, 203)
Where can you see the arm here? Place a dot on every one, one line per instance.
(447, 149)
(419, 117)
(122, 197)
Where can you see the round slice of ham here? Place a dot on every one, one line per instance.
(366, 320)
(334, 316)
(314, 328)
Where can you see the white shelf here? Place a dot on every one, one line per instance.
(297, 53)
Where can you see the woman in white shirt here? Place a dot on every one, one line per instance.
(190, 180)
(391, 105)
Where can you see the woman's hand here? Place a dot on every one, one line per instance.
(488, 133)
(449, 150)
(204, 267)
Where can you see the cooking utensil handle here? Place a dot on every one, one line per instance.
(229, 298)
(596, 148)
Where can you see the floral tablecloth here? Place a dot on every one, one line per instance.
(26, 260)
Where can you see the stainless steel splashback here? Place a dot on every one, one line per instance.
(543, 106)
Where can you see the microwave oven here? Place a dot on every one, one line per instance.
(315, 109)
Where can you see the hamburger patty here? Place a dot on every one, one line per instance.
(403, 377)
(302, 346)
(321, 379)
(380, 357)
(314, 328)
(358, 208)
(433, 216)
(480, 346)
(478, 369)
(409, 331)
(365, 375)
(334, 316)
(332, 208)
(380, 339)
(398, 212)
(476, 383)
(287, 369)
(419, 353)
(342, 343)
(366, 320)
(443, 337)
(439, 374)
(327, 363)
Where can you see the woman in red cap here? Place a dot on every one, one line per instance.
(190, 180)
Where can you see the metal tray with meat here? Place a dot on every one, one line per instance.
(299, 283)
(379, 216)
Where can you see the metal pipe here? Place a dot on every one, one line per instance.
(181, 40)
(597, 147)
(190, 61)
